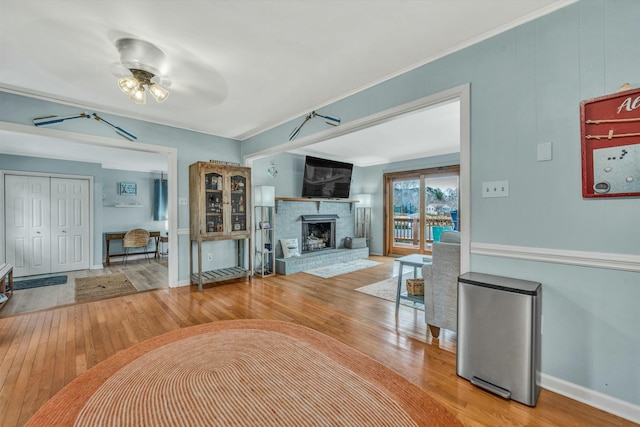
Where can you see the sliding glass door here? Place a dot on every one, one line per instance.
(419, 206)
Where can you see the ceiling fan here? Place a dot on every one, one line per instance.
(141, 66)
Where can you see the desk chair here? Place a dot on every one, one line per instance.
(136, 238)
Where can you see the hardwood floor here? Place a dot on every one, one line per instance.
(42, 351)
(142, 274)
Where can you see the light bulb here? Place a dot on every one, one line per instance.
(139, 96)
(158, 92)
(128, 85)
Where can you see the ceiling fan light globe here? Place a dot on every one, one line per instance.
(139, 96)
(128, 85)
(158, 92)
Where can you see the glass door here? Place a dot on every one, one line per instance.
(419, 206)
(213, 184)
(238, 203)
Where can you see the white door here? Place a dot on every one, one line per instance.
(27, 225)
(69, 224)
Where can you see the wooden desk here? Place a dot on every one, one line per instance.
(164, 251)
(119, 235)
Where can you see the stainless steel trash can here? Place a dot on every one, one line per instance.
(499, 335)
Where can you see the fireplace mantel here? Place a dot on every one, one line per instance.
(318, 201)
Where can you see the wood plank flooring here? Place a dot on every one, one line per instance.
(142, 274)
(42, 351)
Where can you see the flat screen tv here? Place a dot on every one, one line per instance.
(326, 179)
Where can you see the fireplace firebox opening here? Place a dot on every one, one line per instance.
(318, 232)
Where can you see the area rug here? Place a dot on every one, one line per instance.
(342, 268)
(386, 289)
(100, 287)
(242, 373)
(38, 282)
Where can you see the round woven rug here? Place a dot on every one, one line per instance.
(242, 373)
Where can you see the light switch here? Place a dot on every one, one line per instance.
(545, 150)
(495, 189)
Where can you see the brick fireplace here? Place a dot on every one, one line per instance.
(329, 222)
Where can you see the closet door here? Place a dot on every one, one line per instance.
(27, 225)
(69, 224)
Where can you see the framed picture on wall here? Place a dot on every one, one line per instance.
(127, 188)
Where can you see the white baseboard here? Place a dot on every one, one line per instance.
(184, 283)
(590, 397)
(96, 267)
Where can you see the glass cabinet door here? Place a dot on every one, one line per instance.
(214, 183)
(238, 203)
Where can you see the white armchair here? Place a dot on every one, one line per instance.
(441, 284)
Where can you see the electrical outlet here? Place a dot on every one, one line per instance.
(495, 189)
(209, 257)
(183, 201)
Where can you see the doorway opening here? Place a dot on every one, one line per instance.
(460, 93)
(24, 135)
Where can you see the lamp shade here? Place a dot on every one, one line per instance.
(364, 200)
(265, 195)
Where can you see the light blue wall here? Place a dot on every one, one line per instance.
(191, 147)
(123, 219)
(288, 181)
(526, 87)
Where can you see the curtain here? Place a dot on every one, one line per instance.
(160, 200)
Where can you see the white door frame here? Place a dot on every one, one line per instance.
(461, 93)
(91, 140)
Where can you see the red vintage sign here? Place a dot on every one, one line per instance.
(610, 136)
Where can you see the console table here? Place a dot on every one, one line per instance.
(119, 235)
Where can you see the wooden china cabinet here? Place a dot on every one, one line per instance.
(219, 209)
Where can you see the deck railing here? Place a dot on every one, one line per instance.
(407, 230)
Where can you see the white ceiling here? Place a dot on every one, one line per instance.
(239, 68)
(430, 132)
